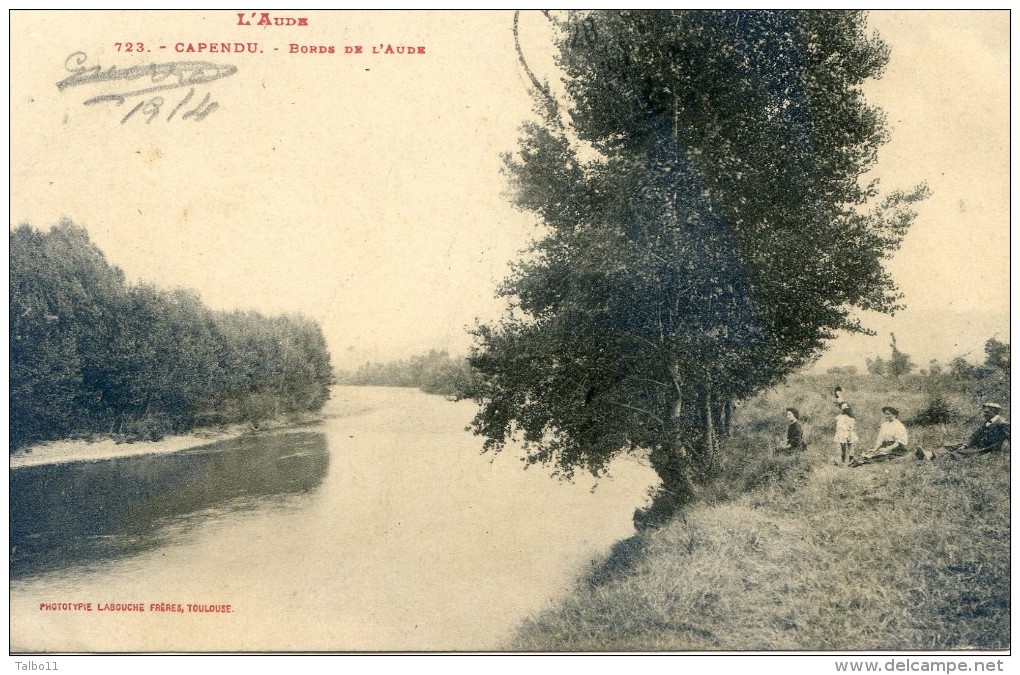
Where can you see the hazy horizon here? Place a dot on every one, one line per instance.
(940, 335)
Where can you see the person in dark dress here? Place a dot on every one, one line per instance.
(794, 432)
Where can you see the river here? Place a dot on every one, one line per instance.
(382, 528)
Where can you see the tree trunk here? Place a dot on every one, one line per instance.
(708, 458)
(691, 456)
(698, 419)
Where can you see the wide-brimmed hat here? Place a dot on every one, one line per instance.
(890, 409)
(993, 406)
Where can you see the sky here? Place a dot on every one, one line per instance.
(364, 190)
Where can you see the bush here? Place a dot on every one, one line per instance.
(147, 428)
(937, 411)
(258, 407)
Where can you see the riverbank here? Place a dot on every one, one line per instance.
(109, 447)
(103, 447)
(793, 553)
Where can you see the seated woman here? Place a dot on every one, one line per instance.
(891, 441)
(794, 433)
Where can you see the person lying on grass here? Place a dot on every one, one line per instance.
(891, 441)
(992, 436)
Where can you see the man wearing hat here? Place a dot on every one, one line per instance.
(891, 441)
(991, 436)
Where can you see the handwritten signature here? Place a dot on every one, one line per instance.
(160, 76)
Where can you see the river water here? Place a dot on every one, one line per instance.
(382, 528)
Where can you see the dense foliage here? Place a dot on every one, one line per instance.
(434, 373)
(988, 381)
(707, 229)
(90, 353)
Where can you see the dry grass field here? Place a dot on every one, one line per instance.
(796, 553)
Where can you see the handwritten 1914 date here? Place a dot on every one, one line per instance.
(151, 108)
(146, 80)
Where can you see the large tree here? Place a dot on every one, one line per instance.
(707, 228)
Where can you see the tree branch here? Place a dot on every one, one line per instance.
(640, 410)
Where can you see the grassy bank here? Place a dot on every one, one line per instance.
(794, 553)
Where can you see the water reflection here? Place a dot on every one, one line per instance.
(66, 514)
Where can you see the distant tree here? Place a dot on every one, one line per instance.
(961, 370)
(899, 364)
(434, 373)
(706, 231)
(876, 366)
(991, 379)
(842, 370)
(997, 355)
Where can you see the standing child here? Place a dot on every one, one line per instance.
(846, 433)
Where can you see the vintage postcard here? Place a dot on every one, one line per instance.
(474, 331)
